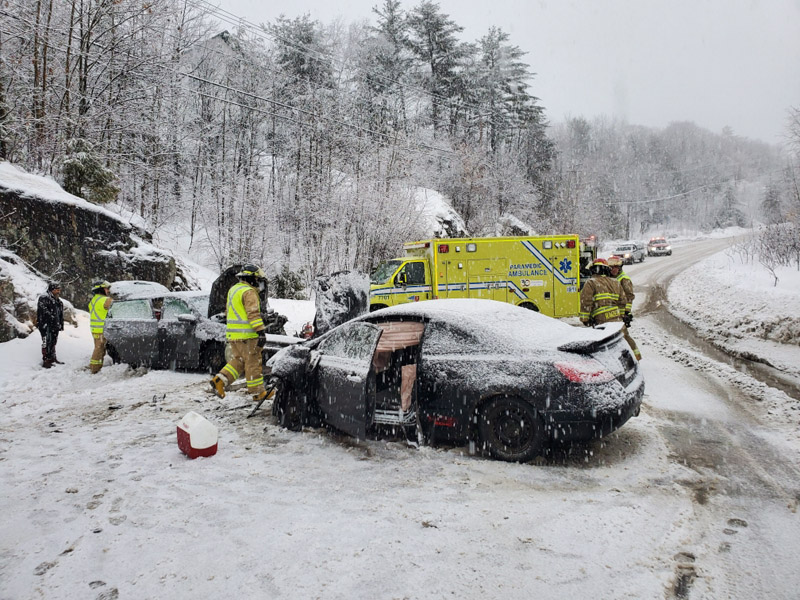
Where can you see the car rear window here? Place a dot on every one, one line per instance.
(131, 309)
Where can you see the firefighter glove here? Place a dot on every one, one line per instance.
(262, 339)
(627, 318)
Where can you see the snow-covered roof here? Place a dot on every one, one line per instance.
(500, 326)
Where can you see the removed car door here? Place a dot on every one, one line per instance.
(343, 375)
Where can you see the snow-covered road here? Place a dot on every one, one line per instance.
(695, 498)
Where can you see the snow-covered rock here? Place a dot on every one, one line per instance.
(63, 237)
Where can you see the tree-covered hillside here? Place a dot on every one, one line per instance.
(302, 145)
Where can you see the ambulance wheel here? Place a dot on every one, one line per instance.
(374, 307)
(530, 306)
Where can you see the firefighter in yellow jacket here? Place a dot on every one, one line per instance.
(616, 272)
(98, 311)
(245, 334)
(602, 298)
(603, 301)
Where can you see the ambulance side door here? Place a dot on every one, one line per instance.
(416, 278)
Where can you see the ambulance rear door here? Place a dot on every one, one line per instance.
(565, 264)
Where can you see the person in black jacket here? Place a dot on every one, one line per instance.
(50, 320)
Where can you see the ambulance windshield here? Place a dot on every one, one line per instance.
(384, 271)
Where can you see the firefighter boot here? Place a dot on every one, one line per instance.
(218, 385)
(264, 395)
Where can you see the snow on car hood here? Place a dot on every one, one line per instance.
(499, 326)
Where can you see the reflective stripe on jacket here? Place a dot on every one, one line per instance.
(602, 299)
(244, 312)
(98, 313)
(627, 287)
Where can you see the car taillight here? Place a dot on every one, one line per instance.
(585, 371)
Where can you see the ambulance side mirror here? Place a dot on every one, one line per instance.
(401, 279)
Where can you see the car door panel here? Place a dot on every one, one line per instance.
(344, 375)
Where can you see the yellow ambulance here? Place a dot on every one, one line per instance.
(540, 273)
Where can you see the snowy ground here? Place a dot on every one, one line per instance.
(99, 503)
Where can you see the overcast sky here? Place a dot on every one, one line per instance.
(715, 62)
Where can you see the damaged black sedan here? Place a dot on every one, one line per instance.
(510, 380)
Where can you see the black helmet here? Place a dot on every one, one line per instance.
(251, 271)
(53, 285)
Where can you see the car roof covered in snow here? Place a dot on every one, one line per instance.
(123, 290)
(498, 325)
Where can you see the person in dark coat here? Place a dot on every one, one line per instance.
(50, 320)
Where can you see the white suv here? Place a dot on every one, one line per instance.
(630, 252)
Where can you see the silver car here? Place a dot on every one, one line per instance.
(630, 252)
(173, 331)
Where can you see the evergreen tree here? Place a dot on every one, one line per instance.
(771, 205)
(85, 176)
(729, 214)
(434, 42)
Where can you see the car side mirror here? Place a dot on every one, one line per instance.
(402, 279)
(187, 318)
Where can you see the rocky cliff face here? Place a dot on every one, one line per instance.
(66, 238)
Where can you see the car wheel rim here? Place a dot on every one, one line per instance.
(513, 429)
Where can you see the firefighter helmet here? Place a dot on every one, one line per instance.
(599, 267)
(100, 284)
(53, 285)
(251, 271)
(614, 261)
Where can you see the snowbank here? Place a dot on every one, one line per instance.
(736, 306)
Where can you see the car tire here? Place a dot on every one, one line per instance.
(510, 429)
(374, 307)
(112, 353)
(286, 406)
(213, 358)
(529, 306)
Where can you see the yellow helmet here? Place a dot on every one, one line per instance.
(614, 261)
(251, 270)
